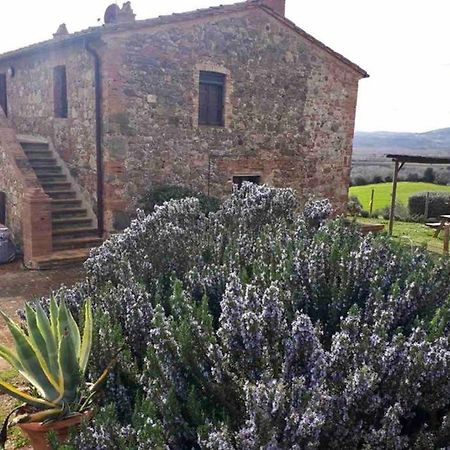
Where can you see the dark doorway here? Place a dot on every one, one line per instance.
(3, 94)
(239, 180)
(2, 208)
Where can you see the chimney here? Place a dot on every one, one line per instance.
(278, 6)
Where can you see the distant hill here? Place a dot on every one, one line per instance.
(437, 140)
(370, 150)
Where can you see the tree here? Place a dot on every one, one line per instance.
(428, 175)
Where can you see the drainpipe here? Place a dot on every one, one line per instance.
(98, 137)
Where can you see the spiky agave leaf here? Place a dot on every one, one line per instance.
(38, 342)
(22, 396)
(50, 339)
(31, 363)
(68, 356)
(86, 343)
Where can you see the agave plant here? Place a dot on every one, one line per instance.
(53, 356)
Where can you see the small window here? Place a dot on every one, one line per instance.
(3, 94)
(2, 208)
(60, 91)
(255, 179)
(211, 99)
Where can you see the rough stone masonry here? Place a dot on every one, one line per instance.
(289, 105)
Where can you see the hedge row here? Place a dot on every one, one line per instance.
(439, 203)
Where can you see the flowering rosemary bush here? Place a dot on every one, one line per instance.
(259, 327)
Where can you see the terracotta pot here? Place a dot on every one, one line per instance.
(37, 433)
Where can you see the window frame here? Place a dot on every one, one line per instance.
(212, 84)
(4, 93)
(60, 92)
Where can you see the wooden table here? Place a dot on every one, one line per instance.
(445, 220)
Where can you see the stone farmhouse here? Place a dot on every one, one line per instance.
(205, 99)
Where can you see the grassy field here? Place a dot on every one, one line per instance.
(410, 233)
(383, 191)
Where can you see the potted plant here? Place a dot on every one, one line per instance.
(52, 355)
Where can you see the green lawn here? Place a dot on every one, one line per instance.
(383, 191)
(410, 233)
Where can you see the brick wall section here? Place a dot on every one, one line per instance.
(30, 107)
(292, 110)
(28, 208)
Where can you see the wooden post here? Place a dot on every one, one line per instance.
(371, 202)
(394, 198)
(427, 205)
(446, 238)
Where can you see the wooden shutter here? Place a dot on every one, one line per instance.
(211, 99)
(60, 91)
(203, 105)
(3, 94)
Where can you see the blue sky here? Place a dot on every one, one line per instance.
(403, 44)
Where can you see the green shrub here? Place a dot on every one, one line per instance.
(377, 179)
(365, 214)
(161, 194)
(413, 177)
(360, 181)
(439, 203)
(401, 212)
(259, 327)
(354, 206)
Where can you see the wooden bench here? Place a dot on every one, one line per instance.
(367, 228)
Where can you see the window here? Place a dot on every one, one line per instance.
(255, 179)
(3, 95)
(211, 99)
(60, 91)
(2, 208)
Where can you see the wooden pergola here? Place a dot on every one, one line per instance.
(400, 161)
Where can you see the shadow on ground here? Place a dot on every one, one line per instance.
(17, 285)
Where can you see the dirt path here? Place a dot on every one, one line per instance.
(17, 285)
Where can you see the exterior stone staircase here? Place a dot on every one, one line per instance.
(73, 221)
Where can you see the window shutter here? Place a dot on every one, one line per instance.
(60, 91)
(3, 95)
(211, 98)
(215, 105)
(203, 105)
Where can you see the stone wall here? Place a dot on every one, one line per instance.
(10, 183)
(30, 107)
(291, 108)
(17, 178)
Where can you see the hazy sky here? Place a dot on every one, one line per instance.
(403, 44)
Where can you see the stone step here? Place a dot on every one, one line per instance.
(68, 222)
(44, 153)
(34, 145)
(49, 177)
(69, 212)
(43, 163)
(63, 203)
(53, 185)
(37, 158)
(86, 242)
(47, 170)
(61, 194)
(62, 258)
(78, 232)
